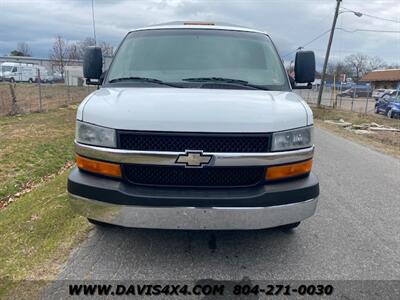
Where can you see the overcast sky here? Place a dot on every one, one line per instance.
(291, 23)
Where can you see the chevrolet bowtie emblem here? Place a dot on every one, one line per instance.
(193, 159)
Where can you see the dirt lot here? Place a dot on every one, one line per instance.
(385, 141)
(31, 98)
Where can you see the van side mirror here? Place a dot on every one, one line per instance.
(92, 65)
(304, 68)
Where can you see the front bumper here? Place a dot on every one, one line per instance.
(115, 202)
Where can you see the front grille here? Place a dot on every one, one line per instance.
(193, 177)
(179, 142)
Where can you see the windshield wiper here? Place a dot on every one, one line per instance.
(225, 80)
(144, 79)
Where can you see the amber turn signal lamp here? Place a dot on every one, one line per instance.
(287, 171)
(99, 167)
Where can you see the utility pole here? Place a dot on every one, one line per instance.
(94, 24)
(328, 50)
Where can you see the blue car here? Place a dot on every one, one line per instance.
(390, 106)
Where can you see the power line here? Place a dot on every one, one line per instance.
(374, 17)
(367, 30)
(316, 38)
(308, 43)
(342, 29)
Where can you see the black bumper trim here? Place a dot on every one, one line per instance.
(117, 192)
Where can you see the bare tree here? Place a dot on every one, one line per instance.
(375, 63)
(106, 48)
(59, 53)
(82, 45)
(336, 69)
(393, 66)
(24, 49)
(78, 49)
(358, 63)
(356, 66)
(73, 52)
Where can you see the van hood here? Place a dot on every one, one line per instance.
(195, 110)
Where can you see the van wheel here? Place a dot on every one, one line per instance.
(30, 80)
(12, 80)
(289, 227)
(390, 114)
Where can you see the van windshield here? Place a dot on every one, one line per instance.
(191, 56)
(6, 68)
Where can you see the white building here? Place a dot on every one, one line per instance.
(73, 75)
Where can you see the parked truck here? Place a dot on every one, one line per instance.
(195, 126)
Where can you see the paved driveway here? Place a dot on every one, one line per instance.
(354, 234)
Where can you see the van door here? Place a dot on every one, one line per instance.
(23, 74)
(15, 74)
(28, 73)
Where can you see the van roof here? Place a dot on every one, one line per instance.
(199, 25)
(15, 64)
(10, 64)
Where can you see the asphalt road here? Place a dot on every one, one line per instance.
(353, 235)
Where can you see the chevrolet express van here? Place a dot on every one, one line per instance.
(195, 126)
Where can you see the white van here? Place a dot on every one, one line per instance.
(44, 75)
(195, 126)
(19, 72)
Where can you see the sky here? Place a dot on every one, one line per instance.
(290, 23)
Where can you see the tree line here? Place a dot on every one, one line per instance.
(355, 66)
(64, 52)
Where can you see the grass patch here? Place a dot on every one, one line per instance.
(34, 146)
(387, 142)
(37, 234)
(39, 229)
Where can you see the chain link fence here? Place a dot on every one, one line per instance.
(355, 99)
(21, 98)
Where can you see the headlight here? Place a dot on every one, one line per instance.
(95, 135)
(292, 139)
